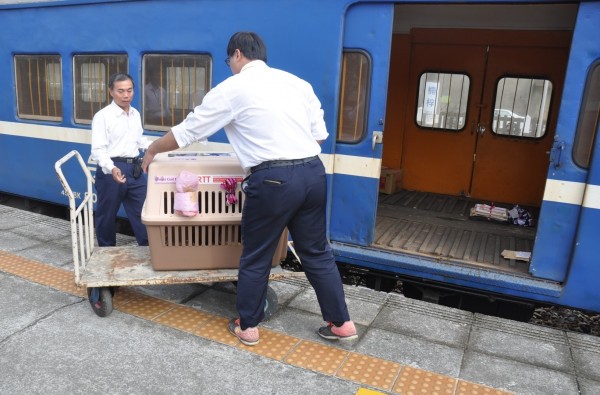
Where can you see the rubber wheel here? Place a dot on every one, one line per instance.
(271, 303)
(101, 300)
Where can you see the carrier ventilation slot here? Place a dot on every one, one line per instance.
(202, 235)
(209, 202)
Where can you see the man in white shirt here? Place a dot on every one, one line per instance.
(274, 122)
(117, 137)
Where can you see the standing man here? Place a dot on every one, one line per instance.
(274, 122)
(117, 137)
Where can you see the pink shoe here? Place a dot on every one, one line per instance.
(249, 336)
(344, 332)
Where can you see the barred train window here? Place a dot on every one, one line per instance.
(90, 79)
(356, 74)
(39, 87)
(589, 119)
(173, 86)
(442, 101)
(521, 107)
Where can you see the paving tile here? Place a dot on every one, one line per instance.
(146, 307)
(183, 318)
(423, 325)
(417, 381)
(517, 377)
(539, 351)
(317, 357)
(370, 371)
(586, 354)
(416, 352)
(273, 344)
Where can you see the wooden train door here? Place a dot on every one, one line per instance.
(514, 168)
(457, 137)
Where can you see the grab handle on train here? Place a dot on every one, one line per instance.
(377, 138)
(556, 152)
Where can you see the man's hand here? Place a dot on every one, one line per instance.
(148, 158)
(118, 176)
(163, 144)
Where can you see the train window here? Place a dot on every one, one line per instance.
(356, 74)
(39, 87)
(173, 86)
(90, 80)
(521, 107)
(442, 101)
(589, 119)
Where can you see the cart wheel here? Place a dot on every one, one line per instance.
(271, 303)
(101, 300)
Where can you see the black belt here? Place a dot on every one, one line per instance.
(122, 159)
(280, 163)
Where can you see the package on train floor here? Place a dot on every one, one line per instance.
(390, 180)
(212, 238)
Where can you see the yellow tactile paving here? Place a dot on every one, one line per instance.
(273, 345)
(7, 260)
(317, 357)
(70, 287)
(466, 388)
(26, 268)
(184, 318)
(414, 381)
(368, 370)
(374, 372)
(123, 295)
(216, 329)
(146, 307)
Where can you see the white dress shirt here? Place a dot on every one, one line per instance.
(116, 133)
(268, 114)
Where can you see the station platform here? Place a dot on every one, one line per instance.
(173, 339)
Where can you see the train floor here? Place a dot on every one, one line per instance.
(172, 339)
(442, 226)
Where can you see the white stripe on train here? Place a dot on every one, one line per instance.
(556, 190)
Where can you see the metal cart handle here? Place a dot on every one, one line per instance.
(82, 219)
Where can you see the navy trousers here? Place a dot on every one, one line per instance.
(111, 195)
(294, 196)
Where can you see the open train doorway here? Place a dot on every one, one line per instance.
(472, 107)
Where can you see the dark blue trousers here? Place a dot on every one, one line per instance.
(110, 196)
(293, 196)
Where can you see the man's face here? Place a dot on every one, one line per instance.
(122, 93)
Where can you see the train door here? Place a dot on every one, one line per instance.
(363, 89)
(483, 125)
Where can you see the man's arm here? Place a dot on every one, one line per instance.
(163, 144)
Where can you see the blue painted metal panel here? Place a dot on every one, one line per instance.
(139, 27)
(472, 277)
(368, 28)
(558, 221)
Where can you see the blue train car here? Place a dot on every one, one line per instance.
(462, 156)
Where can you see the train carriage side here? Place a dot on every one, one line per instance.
(60, 55)
(464, 114)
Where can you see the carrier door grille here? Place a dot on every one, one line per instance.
(202, 235)
(209, 202)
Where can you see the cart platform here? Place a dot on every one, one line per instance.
(130, 266)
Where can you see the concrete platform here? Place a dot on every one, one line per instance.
(173, 338)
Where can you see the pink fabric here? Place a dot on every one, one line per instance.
(186, 197)
(186, 204)
(186, 182)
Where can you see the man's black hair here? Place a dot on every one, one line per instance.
(250, 45)
(119, 77)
